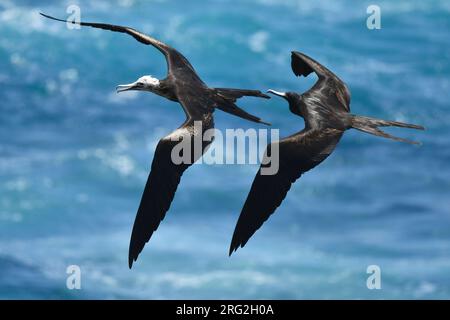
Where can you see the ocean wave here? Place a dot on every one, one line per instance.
(75, 156)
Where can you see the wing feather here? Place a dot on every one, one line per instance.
(297, 154)
(175, 60)
(158, 194)
(330, 88)
(165, 175)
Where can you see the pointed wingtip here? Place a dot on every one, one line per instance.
(266, 123)
(132, 257)
(53, 18)
(130, 262)
(234, 246)
(46, 15)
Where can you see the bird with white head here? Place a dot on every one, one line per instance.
(145, 83)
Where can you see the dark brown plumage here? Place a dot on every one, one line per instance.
(198, 101)
(325, 109)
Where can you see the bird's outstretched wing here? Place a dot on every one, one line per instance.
(302, 65)
(297, 154)
(329, 86)
(166, 173)
(158, 194)
(175, 60)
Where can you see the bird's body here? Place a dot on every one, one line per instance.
(183, 85)
(325, 109)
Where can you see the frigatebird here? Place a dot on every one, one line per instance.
(182, 85)
(325, 109)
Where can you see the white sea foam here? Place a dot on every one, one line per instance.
(11, 216)
(185, 280)
(70, 75)
(369, 67)
(258, 41)
(19, 184)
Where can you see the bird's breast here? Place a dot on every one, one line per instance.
(318, 114)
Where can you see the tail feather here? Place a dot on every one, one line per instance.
(233, 109)
(226, 98)
(370, 125)
(235, 94)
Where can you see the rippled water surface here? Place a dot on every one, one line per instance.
(74, 155)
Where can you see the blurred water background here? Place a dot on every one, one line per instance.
(74, 155)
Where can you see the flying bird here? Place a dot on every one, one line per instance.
(325, 109)
(182, 85)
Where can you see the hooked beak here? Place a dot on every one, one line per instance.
(277, 93)
(126, 87)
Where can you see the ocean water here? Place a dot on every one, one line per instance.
(74, 155)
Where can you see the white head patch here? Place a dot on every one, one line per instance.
(149, 81)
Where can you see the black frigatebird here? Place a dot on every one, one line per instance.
(325, 109)
(184, 86)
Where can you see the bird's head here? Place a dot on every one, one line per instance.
(292, 98)
(289, 96)
(145, 83)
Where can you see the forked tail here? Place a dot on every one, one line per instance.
(226, 98)
(371, 125)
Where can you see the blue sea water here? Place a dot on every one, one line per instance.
(74, 155)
